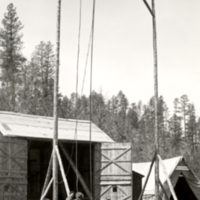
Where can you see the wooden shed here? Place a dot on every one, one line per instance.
(25, 151)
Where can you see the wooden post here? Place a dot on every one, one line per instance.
(55, 135)
(62, 171)
(47, 189)
(47, 175)
(168, 179)
(155, 101)
(87, 191)
(147, 178)
(153, 13)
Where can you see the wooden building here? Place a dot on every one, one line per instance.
(25, 151)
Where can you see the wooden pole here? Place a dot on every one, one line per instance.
(47, 175)
(56, 80)
(153, 13)
(147, 178)
(148, 7)
(168, 179)
(87, 191)
(47, 189)
(62, 172)
(164, 191)
(155, 102)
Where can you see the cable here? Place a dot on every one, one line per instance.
(86, 62)
(77, 71)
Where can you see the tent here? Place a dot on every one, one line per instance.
(184, 181)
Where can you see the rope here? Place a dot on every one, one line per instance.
(77, 70)
(92, 47)
(86, 62)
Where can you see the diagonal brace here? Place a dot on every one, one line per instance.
(149, 8)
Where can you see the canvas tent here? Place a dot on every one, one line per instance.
(184, 181)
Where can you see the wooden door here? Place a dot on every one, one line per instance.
(13, 168)
(112, 171)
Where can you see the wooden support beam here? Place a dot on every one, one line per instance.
(87, 191)
(164, 191)
(62, 187)
(47, 189)
(62, 171)
(168, 179)
(147, 178)
(155, 99)
(55, 106)
(148, 7)
(47, 175)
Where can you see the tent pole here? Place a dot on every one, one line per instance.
(168, 179)
(146, 180)
(164, 191)
(55, 133)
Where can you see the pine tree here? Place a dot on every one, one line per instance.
(40, 78)
(44, 59)
(161, 119)
(149, 117)
(111, 118)
(122, 108)
(11, 46)
(184, 108)
(191, 124)
(132, 117)
(99, 112)
(163, 122)
(176, 119)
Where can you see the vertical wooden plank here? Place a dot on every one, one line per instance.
(97, 167)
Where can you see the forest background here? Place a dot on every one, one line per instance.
(27, 87)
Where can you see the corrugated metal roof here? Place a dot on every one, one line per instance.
(33, 126)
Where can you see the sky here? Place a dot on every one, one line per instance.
(123, 50)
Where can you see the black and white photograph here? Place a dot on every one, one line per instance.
(99, 100)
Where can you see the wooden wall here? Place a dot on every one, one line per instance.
(13, 168)
(112, 171)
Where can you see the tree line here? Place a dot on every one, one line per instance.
(27, 87)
